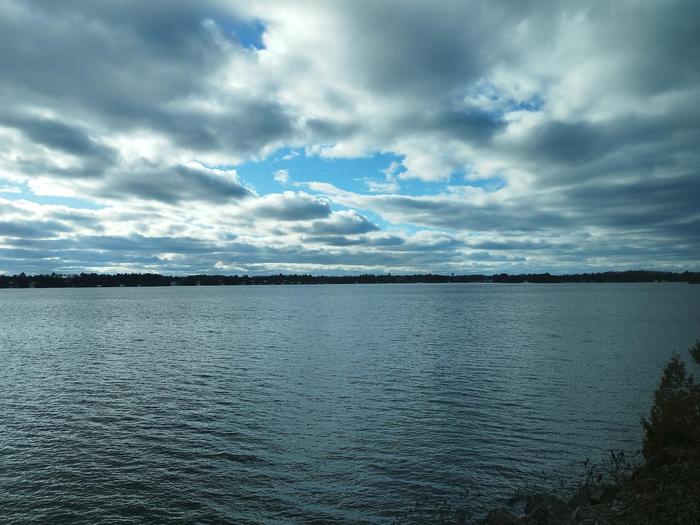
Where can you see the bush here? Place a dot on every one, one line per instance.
(675, 416)
(695, 352)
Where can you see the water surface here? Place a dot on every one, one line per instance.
(317, 404)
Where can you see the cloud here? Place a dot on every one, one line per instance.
(465, 208)
(346, 222)
(176, 184)
(290, 206)
(58, 136)
(35, 229)
(586, 115)
(382, 187)
(390, 184)
(281, 176)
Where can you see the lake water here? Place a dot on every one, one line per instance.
(318, 404)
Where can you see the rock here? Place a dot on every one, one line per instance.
(545, 509)
(500, 517)
(602, 494)
(595, 496)
(584, 513)
(610, 492)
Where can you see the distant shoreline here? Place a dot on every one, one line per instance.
(93, 280)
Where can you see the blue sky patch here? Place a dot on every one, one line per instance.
(246, 32)
(350, 174)
(25, 194)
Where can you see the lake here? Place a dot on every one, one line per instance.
(318, 404)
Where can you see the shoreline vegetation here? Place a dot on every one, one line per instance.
(661, 487)
(83, 280)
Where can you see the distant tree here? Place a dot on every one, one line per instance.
(675, 416)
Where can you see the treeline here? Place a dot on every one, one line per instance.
(55, 280)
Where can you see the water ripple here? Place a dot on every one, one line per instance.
(333, 404)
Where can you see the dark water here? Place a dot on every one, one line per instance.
(317, 404)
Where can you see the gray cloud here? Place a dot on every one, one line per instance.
(34, 229)
(343, 223)
(167, 53)
(247, 126)
(176, 184)
(452, 212)
(518, 245)
(429, 53)
(336, 240)
(59, 136)
(291, 207)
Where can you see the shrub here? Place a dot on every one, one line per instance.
(674, 420)
(695, 351)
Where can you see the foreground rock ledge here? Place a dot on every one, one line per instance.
(665, 490)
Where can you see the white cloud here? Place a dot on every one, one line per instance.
(389, 186)
(281, 176)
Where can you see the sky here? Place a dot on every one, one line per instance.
(363, 136)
